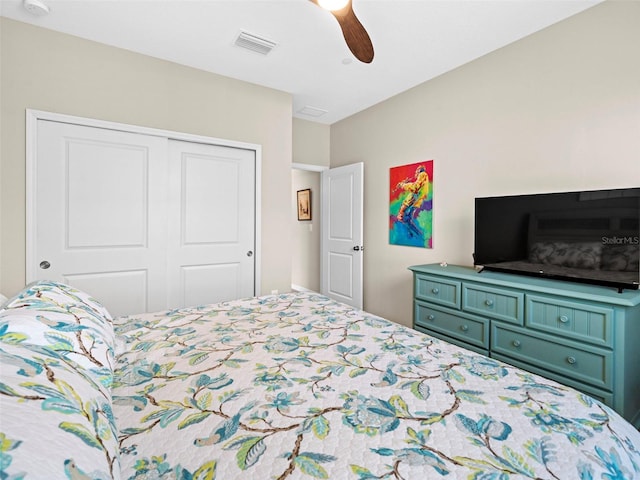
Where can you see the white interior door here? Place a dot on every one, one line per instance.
(140, 221)
(99, 221)
(212, 233)
(342, 233)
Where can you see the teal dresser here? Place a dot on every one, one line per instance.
(580, 335)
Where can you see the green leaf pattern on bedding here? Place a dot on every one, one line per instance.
(57, 370)
(299, 386)
(291, 386)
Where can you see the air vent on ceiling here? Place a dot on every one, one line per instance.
(254, 43)
(311, 111)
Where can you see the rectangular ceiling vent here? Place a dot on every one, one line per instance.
(312, 111)
(254, 43)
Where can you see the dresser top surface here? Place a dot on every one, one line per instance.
(543, 285)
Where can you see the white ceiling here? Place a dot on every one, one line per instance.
(414, 40)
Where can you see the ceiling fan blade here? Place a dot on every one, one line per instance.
(354, 33)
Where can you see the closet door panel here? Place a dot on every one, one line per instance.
(107, 194)
(211, 223)
(121, 292)
(200, 282)
(210, 187)
(98, 214)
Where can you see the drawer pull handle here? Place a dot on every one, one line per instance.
(563, 319)
(464, 328)
(516, 343)
(435, 290)
(431, 317)
(488, 303)
(571, 360)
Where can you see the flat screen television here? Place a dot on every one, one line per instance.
(588, 236)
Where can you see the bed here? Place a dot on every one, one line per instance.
(283, 386)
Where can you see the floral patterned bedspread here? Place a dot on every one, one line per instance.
(299, 386)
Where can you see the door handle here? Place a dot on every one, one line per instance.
(249, 253)
(44, 265)
(358, 248)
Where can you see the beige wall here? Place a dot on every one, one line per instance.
(558, 110)
(45, 70)
(311, 143)
(305, 265)
(311, 146)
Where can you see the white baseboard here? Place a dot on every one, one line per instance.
(298, 288)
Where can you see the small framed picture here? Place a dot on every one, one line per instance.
(304, 204)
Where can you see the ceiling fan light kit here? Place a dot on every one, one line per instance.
(333, 5)
(353, 32)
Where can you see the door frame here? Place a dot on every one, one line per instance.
(317, 169)
(32, 118)
(323, 273)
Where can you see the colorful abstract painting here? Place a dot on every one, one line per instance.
(411, 205)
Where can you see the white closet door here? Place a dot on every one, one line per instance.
(99, 214)
(211, 223)
(141, 222)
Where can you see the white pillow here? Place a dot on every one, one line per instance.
(57, 356)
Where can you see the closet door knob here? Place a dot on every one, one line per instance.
(249, 253)
(44, 265)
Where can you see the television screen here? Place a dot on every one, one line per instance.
(588, 236)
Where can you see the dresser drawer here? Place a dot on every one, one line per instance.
(597, 393)
(438, 290)
(495, 303)
(471, 330)
(454, 341)
(593, 365)
(591, 323)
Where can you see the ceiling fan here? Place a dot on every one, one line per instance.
(354, 33)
